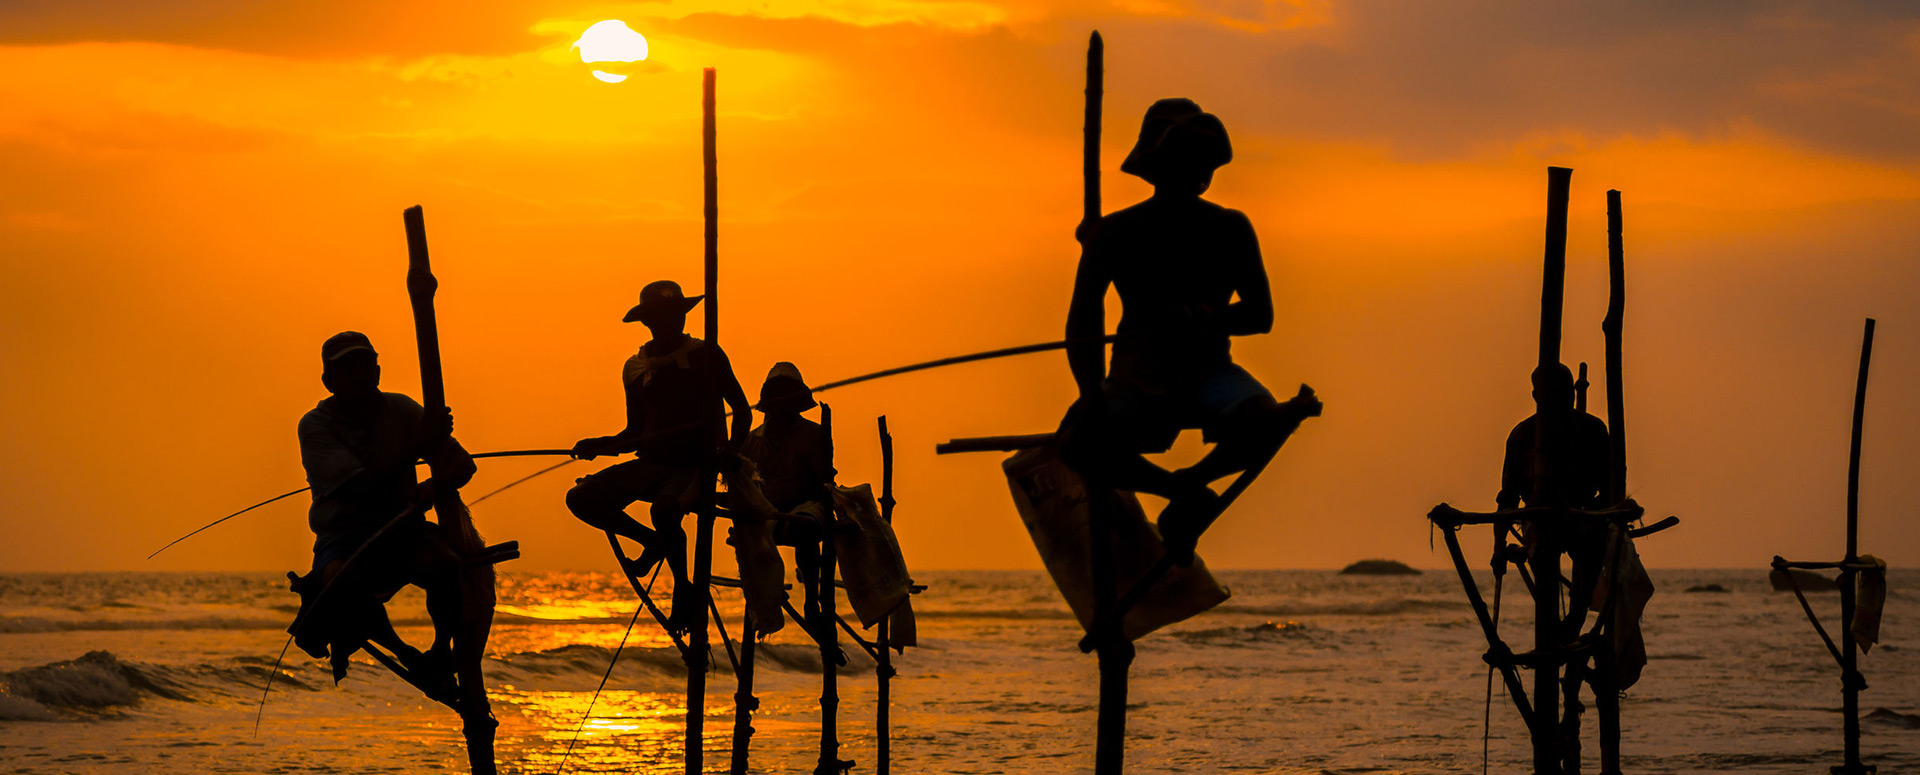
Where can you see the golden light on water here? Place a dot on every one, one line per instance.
(628, 732)
(611, 41)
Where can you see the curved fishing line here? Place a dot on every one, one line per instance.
(170, 544)
(881, 374)
(301, 618)
(603, 678)
(505, 453)
(522, 480)
(871, 376)
(262, 710)
(596, 692)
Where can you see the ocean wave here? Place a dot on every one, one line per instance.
(1384, 607)
(1264, 632)
(34, 624)
(100, 683)
(1050, 612)
(579, 667)
(93, 683)
(31, 624)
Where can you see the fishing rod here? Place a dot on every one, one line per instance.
(284, 496)
(956, 360)
(603, 678)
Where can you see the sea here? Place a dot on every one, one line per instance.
(1301, 671)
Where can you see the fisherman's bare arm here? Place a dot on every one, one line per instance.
(627, 440)
(1513, 470)
(452, 466)
(736, 399)
(1253, 313)
(1087, 323)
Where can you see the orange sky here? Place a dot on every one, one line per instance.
(199, 192)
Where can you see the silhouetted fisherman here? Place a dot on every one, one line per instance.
(794, 456)
(1571, 472)
(1178, 262)
(358, 447)
(675, 387)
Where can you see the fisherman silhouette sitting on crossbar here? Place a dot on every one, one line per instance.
(794, 456)
(1569, 472)
(1178, 263)
(370, 534)
(675, 387)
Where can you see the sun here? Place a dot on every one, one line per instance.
(611, 41)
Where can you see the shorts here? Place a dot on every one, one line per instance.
(644, 480)
(386, 565)
(1149, 422)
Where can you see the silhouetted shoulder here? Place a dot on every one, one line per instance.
(315, 420)
(404, 404)
(1522, 432)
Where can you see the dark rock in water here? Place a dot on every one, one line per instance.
(1893, 719)
(1807, 580)
(1379, 568)
(1706, 588)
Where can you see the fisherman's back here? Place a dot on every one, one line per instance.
(1176, 263)
(678, 398)
(376, 452)
(796, 463)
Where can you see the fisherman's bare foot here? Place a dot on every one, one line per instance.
(1304, 403)
(640, 566)
(687, 609)
(432, 669)
(1182, 521)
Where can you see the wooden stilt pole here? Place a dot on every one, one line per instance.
(1612, 327)
(1847, 651)
(744, 703)
(1851, 682)
(1606, 698)
(697, 655)
(456, 524)
(1114, 650)
(1548, 546)
(827, 634)
(883, 667)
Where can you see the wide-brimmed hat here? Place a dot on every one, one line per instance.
(342, 344)
(784, 389)
(661, 296)
(1177, 135)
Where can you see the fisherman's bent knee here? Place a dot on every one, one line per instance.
(596, 502)
(1259, 420)
(439, 561)
(666, 515)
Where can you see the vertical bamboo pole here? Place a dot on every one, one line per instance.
(1850, 680)
(1606, 698)
(828, 636)
(883, 671)
(456, 524)
(710, 161)
(1547, 545)
(744, 703)
(697, 655)
(1554, 280)
(1115, 652)
(1612, 327)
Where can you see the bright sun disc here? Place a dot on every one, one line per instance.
(611, 41)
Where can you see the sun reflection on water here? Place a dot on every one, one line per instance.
(629, 731)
